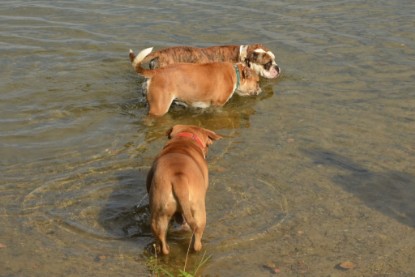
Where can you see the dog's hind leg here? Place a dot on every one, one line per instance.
(200, 218)
(159, 226)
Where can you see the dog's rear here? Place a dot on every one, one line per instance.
(169, 194)
(137, 60)
(178, 180)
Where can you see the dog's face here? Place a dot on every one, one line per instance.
(261, 60)
(249, 82)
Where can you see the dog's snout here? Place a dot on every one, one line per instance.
(277, 68)
(258, 91)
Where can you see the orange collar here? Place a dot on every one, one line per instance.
(192, 136)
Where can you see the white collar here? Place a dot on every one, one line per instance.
(243, 52)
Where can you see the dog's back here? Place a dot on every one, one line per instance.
(187, 54)
(256, 56)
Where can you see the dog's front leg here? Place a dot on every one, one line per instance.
(159, 102)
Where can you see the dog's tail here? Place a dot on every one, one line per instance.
(181, 191)
(136, 61)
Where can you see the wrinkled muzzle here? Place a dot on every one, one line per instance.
(272, 73)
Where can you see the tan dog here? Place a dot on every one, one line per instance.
(256, 56)
(178, 180)
(197, 85)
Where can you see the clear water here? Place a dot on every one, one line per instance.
(317, 170)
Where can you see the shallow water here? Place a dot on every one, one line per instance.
(315, 171)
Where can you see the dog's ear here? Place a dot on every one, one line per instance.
(253, 56)
(246, 73)
(168, 133)
(212, 136)
(174, 130)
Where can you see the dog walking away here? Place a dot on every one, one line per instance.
(256, 56)
(177, 183)
(196, 85)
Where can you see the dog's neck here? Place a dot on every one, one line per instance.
(193, 137)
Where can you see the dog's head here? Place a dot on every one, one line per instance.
(202, 136)
(249, 81)
(260, 59)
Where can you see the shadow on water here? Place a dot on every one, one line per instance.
(390, 192)
(126, 212)
(126, 216)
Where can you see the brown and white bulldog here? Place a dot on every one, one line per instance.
(256, 56)
(178, 180)
(196, 85)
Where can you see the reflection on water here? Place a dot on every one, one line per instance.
(316, 170)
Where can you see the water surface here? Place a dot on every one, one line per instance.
(315, 171)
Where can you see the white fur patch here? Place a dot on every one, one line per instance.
(266, 52)
(243, 51)
(259, 50)
(259, 69)
(145, 86)
(202, 105)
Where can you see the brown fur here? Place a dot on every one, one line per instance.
(177, 183)
(226, 53)
(187, 54)
(199, 85)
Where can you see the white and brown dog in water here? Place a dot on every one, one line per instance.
(177, 183)
(256, 56)
(196, 85)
